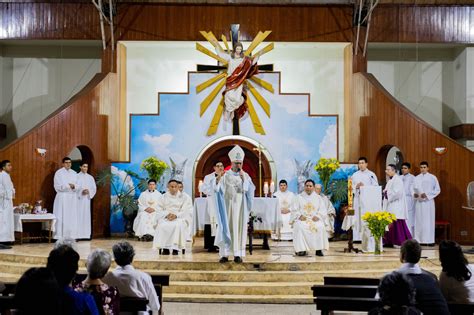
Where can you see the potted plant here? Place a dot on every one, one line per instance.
(123, 185)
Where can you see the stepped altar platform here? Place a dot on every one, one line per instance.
(267, 276)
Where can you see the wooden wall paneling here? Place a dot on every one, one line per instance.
(396, 125)
(78, 122)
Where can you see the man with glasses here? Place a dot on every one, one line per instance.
(426, 188)
(65, 202)
(408, 181)
(208, 187)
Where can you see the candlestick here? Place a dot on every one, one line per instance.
(272, 188)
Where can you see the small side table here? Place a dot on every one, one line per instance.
(49, 219)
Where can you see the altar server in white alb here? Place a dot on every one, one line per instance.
(426, 188)
(86, 191)
(394, 202)
(234, 191)
(65, 203)
(285, 200)
(174, 217)
(331, 211)
(408, 182)
(363, 177)
(307, 217)
(208, 187)
(7, 194)
(145, 222)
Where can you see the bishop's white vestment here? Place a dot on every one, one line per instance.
(425, 207)
(309, 235)
(331, 215)
(173, 234)
(145, 222)
(7, 194)
(84, 181)
(234, 202)
(65, 204)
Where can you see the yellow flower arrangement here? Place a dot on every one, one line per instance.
(325, 168)
(377, 222)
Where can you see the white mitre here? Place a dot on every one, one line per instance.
(236, 154)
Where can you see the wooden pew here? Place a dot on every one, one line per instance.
(130, 304)
(127, 304)
(328, 304)
(355, 291)
(351, 281)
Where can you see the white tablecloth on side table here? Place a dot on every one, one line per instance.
(18, 220)
(265, 208)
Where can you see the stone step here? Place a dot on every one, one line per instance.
(240, 288)
(232, 298)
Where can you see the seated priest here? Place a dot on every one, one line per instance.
(174, 219)
(307, 216)
(145, 222)
(186, 196)
(330, 218)
(285, 199)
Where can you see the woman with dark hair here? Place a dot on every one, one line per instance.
(37, 292)
(457, 277)
(397, 296)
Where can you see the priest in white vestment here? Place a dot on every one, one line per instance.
(65, 203)
(307, 217)
(235, 192)
(394, 202)
(86, 191)
(7, 194)
(426, 188)
(208, 187)
(190, 200)
(331, 211)
(408, 182)
(285, 200)
(363, 177)
(145, 222)
(174, 216)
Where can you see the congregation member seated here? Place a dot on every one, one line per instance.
(397, 296)
(68, 241)
(63, 262)
(106, 297)
(429, 298)
(37, 292)
(129, 281)
(457, 277)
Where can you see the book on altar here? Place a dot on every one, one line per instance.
(370, 199)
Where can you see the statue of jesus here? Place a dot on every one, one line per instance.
(240, 68)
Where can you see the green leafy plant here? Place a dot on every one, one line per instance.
(337, 189)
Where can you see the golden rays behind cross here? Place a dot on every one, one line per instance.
(218, 82)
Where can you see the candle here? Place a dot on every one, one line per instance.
(272, 187)
(200, 186)
(265, 188)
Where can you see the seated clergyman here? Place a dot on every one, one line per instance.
(307, 216)
(145, 222)
(174, 218)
